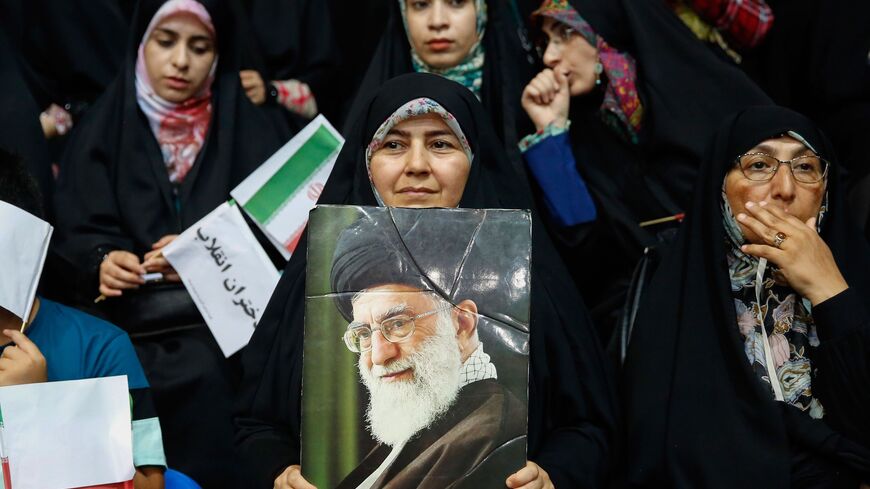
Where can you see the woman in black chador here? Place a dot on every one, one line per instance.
(481, 44)
(572, 410)
(626, 104)
(749, 363)
(172, 135)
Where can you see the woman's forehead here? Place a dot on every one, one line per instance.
(423, 122)
(783, 144)
(185, 23)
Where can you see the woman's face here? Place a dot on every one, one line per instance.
(569, 53)
(802, 200)
(442, 32)
(179, 55)
(420, 164)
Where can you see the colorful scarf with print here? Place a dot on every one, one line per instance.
(469, 72)
(787, 318)
(180, 128)
(414, 108)
(621, 109)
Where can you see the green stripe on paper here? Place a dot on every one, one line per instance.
(290, 177)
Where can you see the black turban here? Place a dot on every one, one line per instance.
(457, 253)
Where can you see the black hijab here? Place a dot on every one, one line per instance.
(572, 408)
(508, 67)
(697, 416)
(295, 40)
(114, 191)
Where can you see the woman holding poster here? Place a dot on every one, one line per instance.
(456, 161)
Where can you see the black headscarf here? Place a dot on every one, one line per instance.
(114, 191)
(507, 68)
(572, 409)
(697, 415)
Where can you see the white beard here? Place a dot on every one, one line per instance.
(398, 410)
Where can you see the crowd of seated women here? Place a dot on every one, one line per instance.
(696, 170)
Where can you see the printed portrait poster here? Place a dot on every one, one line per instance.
(416, 347)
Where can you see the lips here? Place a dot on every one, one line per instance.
(416, 190)
(392, 377)
(176, 83)
(439, 45)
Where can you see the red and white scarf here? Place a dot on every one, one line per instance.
(180, 128)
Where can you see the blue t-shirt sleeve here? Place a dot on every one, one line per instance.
(118, 357)
(566, 197)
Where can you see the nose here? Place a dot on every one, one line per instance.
(438, 17)
(382, 350)
(417, 160)
(180, 57)
(782, 185)
(552, 55)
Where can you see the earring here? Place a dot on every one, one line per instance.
(599, 69)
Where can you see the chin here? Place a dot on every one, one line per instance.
(580, 88)
(441, 61)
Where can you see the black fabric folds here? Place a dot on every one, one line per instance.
(696, 415)
(295, 40)
(72, 49)
(507, 68)
(572, 411)
(20, 131)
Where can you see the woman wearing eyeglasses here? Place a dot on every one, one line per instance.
(623, 110)
(749, 363)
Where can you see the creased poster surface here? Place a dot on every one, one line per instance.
(415, 370)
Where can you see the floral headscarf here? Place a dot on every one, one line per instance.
(621, 108)
(469, 72)
(781, 315)
(180, 128)
(414, 108)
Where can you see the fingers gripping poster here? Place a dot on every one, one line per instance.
(415, 356)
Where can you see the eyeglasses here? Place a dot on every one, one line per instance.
(761, 167)
(564, 33)
(396, 329)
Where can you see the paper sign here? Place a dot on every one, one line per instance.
(226, 272)
(68, 434)
(23, 246)
(279, 194)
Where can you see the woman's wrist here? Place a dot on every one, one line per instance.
(823, 291)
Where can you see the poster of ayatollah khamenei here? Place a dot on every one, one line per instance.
(416, 347)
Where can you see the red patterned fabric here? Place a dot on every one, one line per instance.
(745, 22)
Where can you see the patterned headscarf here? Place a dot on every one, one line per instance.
(469, 72)
(783, 315)
(621, 109)
(180, 128)
(414, 108)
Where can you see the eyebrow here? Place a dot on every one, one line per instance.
(427, 134)
(803, 151)
(176, 34)
(393, 311)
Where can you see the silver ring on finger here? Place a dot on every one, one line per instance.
(779, 239)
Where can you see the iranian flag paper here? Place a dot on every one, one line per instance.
(279, 194)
